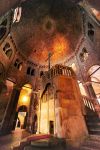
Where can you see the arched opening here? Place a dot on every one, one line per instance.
(94, 74)
(21, 117)
(18, 64)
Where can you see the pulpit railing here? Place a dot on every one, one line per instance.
(58, 70)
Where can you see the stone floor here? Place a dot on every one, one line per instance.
(8, 141)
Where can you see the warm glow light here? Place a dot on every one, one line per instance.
(59, 44)
(60, 47)
(25, 95)
(24, 99)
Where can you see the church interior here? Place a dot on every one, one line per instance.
(50, 74)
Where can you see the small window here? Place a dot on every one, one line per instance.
(28, 70)
(18, 64)
(7, 50)
(33, 72)
(17, 14)
(7, 45)
(84, 55)
(9, 53)
(41, 73)
(90, 31)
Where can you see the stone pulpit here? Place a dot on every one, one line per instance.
(68, 108)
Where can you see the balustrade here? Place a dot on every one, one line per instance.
(58, 70)
(92, 104)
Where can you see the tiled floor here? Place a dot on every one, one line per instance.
(6, 142)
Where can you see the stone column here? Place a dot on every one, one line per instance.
(8, 121)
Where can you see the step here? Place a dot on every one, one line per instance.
(95, 137)
(94, 131)
(93, 126)
(93, 123)
(92, 144)
(88, 148)
(92, 120)
(40, 143)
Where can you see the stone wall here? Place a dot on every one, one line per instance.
(70, 123)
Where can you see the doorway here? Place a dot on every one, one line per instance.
(51, 127)
(21, 117)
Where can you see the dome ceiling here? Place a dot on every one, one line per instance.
(47, 26)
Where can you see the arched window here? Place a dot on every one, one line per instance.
(30, 71)
(9, 53)
(7, 50)
(18, 64)
(17, 14)
(90, 31)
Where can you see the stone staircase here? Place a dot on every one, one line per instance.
(93, 125)
(93, 122)
(92, 143)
